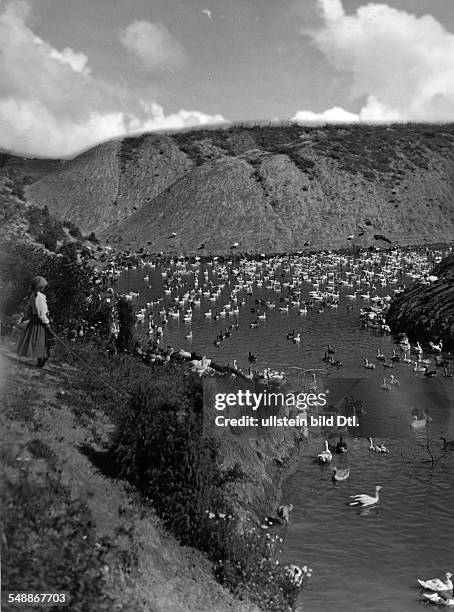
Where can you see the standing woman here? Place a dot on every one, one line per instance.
(33, 343)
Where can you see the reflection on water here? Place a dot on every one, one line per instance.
(369, 559)
(362, 560)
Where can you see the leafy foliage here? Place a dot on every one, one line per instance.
(45, 228)
(50, 543)
(73, 295)
(159, 447)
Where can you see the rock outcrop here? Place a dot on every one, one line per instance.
(426, 311)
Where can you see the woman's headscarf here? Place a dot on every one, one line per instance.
(38, 283)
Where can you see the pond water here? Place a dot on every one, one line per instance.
(361, 560)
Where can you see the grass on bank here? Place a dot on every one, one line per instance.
(158, 447)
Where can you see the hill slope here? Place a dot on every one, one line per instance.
(267, 188)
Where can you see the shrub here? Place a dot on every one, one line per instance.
(50, 543)
(73, 230)
(184, 480)
(73, 295)
(159, 447)
(43, 227)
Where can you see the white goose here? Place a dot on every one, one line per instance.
(418, 367)
(418, 348)
(386, 386)
(435, 584)
(364, 500)
(440, 600)
(377, 448)
(436, 347)
(326, 455)
(369, 365)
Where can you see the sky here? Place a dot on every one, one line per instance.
(74, 73)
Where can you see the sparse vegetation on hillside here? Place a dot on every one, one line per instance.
(50, 543)
(397, 176)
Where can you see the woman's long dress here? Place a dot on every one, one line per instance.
(33, 342)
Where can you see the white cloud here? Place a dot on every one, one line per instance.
(77, 61)
(51, 103)
(332, 115)
(401, 63)
(152, 45)
(157, 120)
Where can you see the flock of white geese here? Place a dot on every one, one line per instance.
(221, 289)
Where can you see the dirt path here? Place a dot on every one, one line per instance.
(162, 576)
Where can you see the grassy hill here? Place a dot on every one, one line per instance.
(269, 188)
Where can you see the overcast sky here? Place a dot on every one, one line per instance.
(76, 72)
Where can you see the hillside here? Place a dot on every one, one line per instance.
(266, 187)
(426, 312)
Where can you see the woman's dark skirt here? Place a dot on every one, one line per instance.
(33, 342)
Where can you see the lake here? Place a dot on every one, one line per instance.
(360, 559)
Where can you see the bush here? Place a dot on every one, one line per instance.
(73, 295)
(43, 227)
(74, 231)
(159, 447)
(184, 480)
(50, 543)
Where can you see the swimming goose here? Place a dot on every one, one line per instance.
(435, 598)
(386, 386)
(252, 357)
(336, 362)
(377, 448)
(364, 500)
(291, 335)
(369, 365)
(339, 475)
(393, 380)
(297, 339)
(380, 356)
(417, 367)
(326, 455)
(437, 585)
(341, 446)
